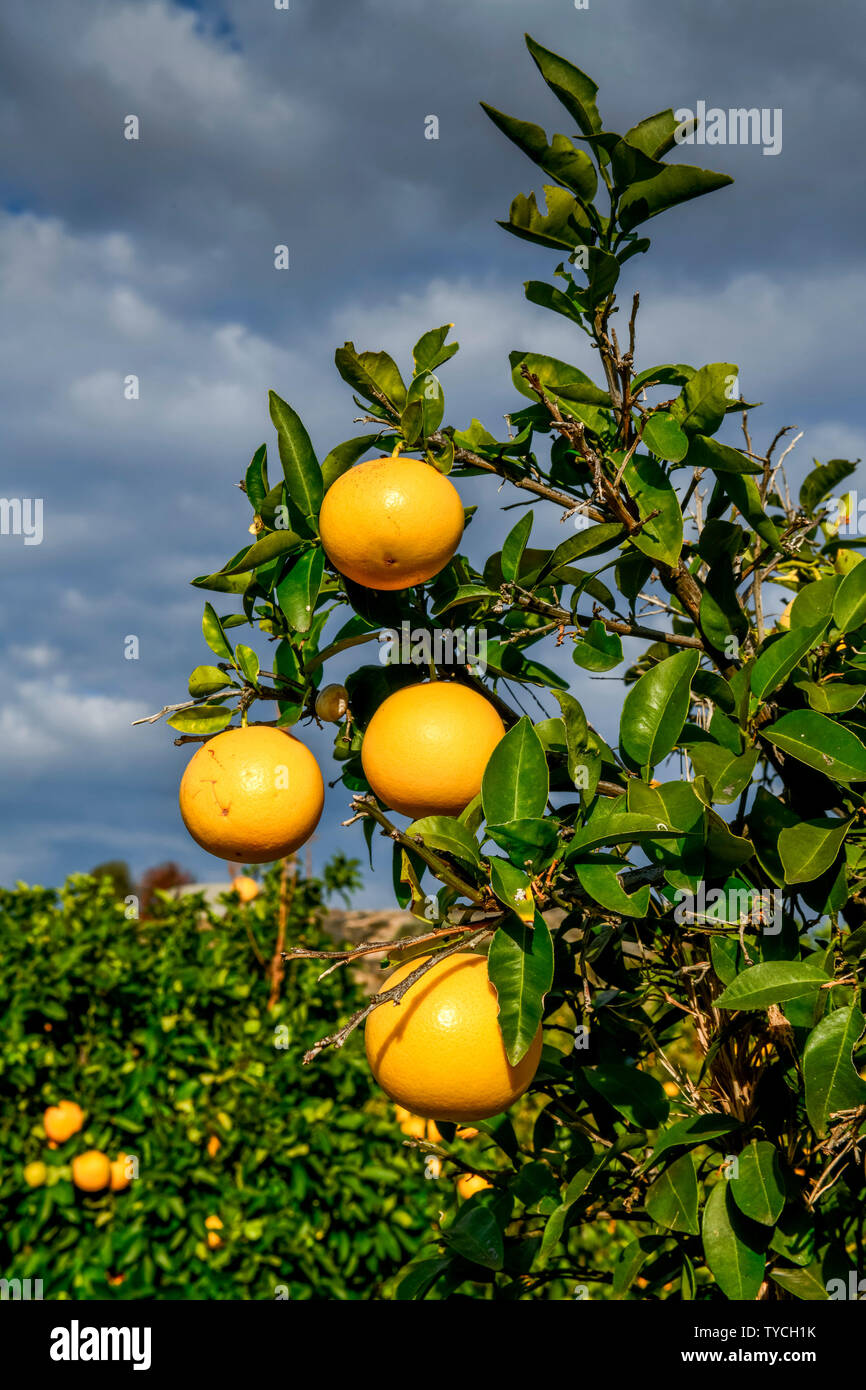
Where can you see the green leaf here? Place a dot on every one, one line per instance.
(431, 351)
(513, 888)
(560, 159)
(655, 709)
(672, 1200)
(630, 1261)
(449, 835)
(742, 490)
(831, 1081)
(207, 680)
(729, 1247)
(780, 657)
(574, 89)
(719, 458)
(623, 828)
(700, 407)
(815, 601)
(549, 297)
(831, 698)
(656, 135)
(759, 1186)
(573, 391)
(661, 538)
(809, 849)
(728, 773)
(268, 548)
(300, 466)
(419, 1279)
(807, 1284)
(677, 183)
(558, 227)
(248, 662)
(344, 456)
(516, 782)
(599, 877)
(635, 1094)
(527, 841)
(602, 273)
(820, 743)
(514, 546)
(598, 649)
(477, 1236)
(214, 635)
(256, 478)
(589, 541)
(849, 606)
(696, 1129)
(204, 719)
(298, 591)
(520, 966)
(664, 438)
(774, 982)
(824, 478)
(576, 728)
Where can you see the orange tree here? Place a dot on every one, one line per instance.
(252, 1177)
(681, 910)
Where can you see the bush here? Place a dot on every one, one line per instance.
(160, 1030)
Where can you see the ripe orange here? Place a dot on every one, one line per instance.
(391, 523)
(470, 1183)
(63, 1120)
(426, 748)
(416, 1127)
(213, 1225)
(35, 1173)
(119, 1176)
(246, 888)
(91, 1171)
(252, 795)
(439, 1051)
(213, 1146)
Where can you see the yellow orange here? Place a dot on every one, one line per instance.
(439, 1052)
(119, 1180)
(63, 1120)
(91, 1171)
(470, 1183)
(246, 888)
(35, 1173)
(391, 523)
(426, 748)
(416, 1127)
(252, 795)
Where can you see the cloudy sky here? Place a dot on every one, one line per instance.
(305, 126)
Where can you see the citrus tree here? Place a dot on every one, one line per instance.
(155, 1047)
(678, 914)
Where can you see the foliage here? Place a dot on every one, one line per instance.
(160, 1030)
(697, 891)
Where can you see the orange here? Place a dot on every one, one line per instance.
(213, 1225)
(35, 1173)
(246, 888)
(426, 748)
(91, 1171)
(416, 1127)
(470, 1183)
(119, 1176)
(466, 1132)
(439, 1051)
(63, 1120)
(252, 795)
(213, 1146)
(391, 523)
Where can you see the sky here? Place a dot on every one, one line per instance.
(305, 126)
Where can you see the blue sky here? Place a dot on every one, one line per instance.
(306, 127)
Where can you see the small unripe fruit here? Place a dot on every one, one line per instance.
(331, 703)
(35, 1174)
